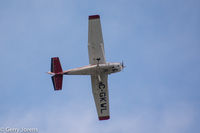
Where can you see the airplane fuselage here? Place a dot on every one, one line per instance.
(107, 68)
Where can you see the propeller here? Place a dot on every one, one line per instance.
(123, 64)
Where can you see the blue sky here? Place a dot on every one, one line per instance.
(158, 40)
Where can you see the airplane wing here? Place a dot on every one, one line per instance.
(95, 41)
(100, 94)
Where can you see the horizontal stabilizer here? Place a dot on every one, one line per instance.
(57, 82)
(55, 65)
(57, 70)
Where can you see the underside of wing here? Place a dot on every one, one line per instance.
(95, 41)
(101, 97)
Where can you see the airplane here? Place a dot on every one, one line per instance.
(98, 69)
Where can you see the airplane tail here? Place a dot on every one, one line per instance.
(57, 70)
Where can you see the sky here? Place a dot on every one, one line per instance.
(158, 41)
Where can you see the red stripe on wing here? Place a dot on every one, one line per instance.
(94, 17)
(104, 117)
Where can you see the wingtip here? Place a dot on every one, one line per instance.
(104, 118)
(94, 17)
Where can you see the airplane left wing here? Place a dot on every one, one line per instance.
(95, 41)
(100, 93)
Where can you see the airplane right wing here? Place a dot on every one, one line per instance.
(95, 41)
(100, 93)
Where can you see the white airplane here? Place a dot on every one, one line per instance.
(98, 69)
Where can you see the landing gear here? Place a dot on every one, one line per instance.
(98, 59)
(99, 78)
